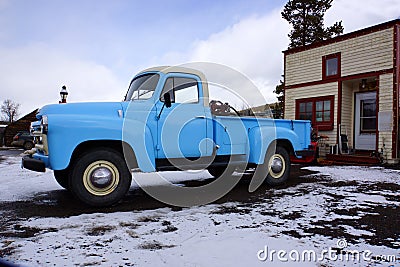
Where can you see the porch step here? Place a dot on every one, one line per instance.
(352, 159)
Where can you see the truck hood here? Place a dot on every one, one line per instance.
(97, 108)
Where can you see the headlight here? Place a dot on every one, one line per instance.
(45, 124)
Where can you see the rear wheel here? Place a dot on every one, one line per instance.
(62, 178)
(100, 178)
(278, 166)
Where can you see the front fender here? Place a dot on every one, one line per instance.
(67, 132)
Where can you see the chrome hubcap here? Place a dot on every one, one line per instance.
(101, 177)
(276, 166)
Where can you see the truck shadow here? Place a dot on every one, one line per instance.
(61, 203)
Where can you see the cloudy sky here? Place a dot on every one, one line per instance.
(95, 47)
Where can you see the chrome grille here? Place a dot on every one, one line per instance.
(39, 138)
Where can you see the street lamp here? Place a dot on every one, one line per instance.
(63, 94)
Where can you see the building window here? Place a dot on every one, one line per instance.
(323, 111)
(318, 110)
(331, 66)
(305, 111)
(368, 116)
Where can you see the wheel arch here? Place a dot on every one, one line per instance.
(286, 144)
(121, 147)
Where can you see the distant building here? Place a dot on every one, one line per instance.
(23, 124)
(266, 111)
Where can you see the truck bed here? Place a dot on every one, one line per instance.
(240, 135)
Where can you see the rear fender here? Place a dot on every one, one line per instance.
(261, 138)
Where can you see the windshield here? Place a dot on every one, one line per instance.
(142, 87)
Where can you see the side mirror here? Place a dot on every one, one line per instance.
(167, 100)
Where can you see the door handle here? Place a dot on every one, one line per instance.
(200, 117)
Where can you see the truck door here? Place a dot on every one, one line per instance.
(182, 128)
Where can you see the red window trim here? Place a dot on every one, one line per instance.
(339, 70)
(321, 126)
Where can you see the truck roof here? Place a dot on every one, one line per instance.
(171, 69)
(176, 69)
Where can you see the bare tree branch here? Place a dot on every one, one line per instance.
(10, 110)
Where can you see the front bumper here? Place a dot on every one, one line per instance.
(33, 164)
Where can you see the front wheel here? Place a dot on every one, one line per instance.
(100, 177)
(278, 166)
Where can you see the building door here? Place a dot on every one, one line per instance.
(365, 121)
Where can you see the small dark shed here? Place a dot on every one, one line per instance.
(23, 124)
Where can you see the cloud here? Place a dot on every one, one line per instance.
(253, 46)
(32, 75)
(362, 13)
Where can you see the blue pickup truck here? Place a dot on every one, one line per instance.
(166, 122)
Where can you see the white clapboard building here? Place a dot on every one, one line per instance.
(348, 86)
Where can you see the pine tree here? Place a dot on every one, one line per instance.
(278, 108)
(307, 20)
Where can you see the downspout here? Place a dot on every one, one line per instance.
(396, 150)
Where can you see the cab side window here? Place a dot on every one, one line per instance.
(181, 90)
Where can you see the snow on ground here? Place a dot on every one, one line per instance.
(339, 207)
(17, 183)
(360, 174)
